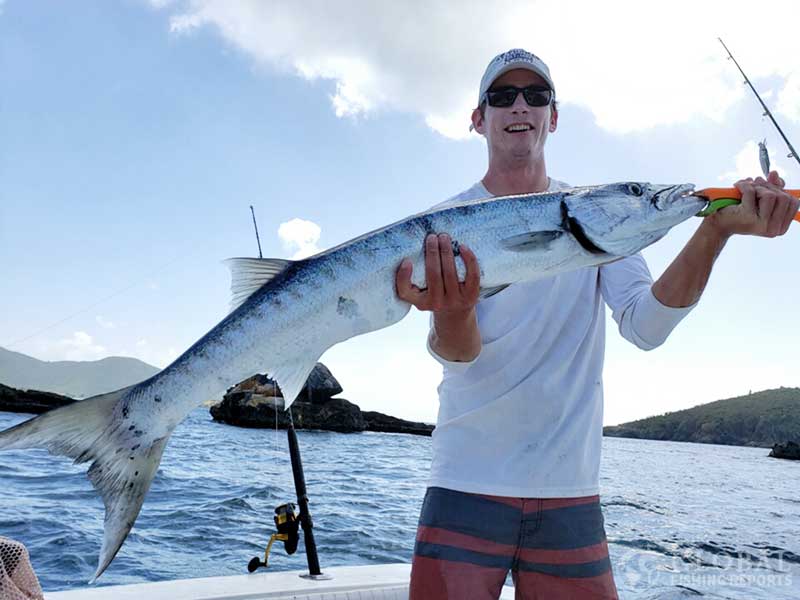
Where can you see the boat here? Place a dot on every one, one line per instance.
(370, 582)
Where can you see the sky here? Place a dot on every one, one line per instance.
(135, 135)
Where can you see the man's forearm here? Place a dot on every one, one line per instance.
(455, 336)
(683, 282)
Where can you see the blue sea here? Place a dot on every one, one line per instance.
(683, 520)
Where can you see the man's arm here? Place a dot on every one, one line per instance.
(766, 211)
(685, 279)
(455, 335)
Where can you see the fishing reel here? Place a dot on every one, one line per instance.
(287, 523)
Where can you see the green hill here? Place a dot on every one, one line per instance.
(77, 379)
(759, 419)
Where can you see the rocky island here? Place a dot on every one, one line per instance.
(257, 402)
(30, 401)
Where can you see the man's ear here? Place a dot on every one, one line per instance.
(553, 118)
(477, 121)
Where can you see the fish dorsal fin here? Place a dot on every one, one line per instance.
(249, 274)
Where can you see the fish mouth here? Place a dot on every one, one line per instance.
(665, 197)
(679, 199)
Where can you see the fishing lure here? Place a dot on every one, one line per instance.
(763, 157)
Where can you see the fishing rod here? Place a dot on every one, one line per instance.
(255, 226)
(767, 113)
(287, 521)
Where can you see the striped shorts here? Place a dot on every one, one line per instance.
(466, 544)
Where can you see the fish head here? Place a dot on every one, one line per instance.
(620, 219)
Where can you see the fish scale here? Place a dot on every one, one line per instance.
(286, 314)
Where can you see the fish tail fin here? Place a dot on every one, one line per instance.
(70, 430)
(121, 469)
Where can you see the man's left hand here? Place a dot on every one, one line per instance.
(766, 210)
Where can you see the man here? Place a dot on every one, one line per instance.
(516, 450)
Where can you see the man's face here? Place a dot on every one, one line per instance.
(495, 123)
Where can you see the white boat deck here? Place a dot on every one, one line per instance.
(372, 582)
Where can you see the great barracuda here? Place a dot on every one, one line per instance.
(286, 314)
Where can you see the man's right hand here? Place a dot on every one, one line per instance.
(455, 334)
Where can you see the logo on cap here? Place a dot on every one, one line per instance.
(517, 55)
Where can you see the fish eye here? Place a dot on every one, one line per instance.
(635, 189)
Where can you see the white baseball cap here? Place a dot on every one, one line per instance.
(514, 59)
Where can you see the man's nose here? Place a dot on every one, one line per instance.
(520, 105)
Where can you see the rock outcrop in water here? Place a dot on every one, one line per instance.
(30, 401)
(789, 450)
(320, 386)
(242, 410)
(759, 419)
(256, 402)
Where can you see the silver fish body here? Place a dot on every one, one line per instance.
(291, 312)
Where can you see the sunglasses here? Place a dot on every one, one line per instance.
(535, 95)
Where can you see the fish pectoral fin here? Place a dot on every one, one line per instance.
(533, 240)
(491, 291)
(291, 378)
(122, 479)
(249, 274)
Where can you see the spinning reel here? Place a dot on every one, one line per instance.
(287, 523)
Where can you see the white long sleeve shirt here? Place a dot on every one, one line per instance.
(525, 418)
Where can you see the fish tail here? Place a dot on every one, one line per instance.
(120, 471)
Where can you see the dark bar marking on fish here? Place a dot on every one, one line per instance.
(572, 225)
(157, 399)
(456, 248)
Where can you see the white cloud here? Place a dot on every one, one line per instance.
(156, 356)
(300, 236)
(748, 165)
(81, 346)
(104, 323)
(789, 99)
(634, 64)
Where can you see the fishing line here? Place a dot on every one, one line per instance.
(767, 112)
(150, 275)
(95, 304)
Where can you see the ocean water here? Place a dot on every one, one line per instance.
(683, 520)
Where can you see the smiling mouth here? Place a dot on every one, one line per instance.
(518, 128)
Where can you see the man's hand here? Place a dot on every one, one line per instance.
(766, 210)
(455, 335)
(444, 293)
